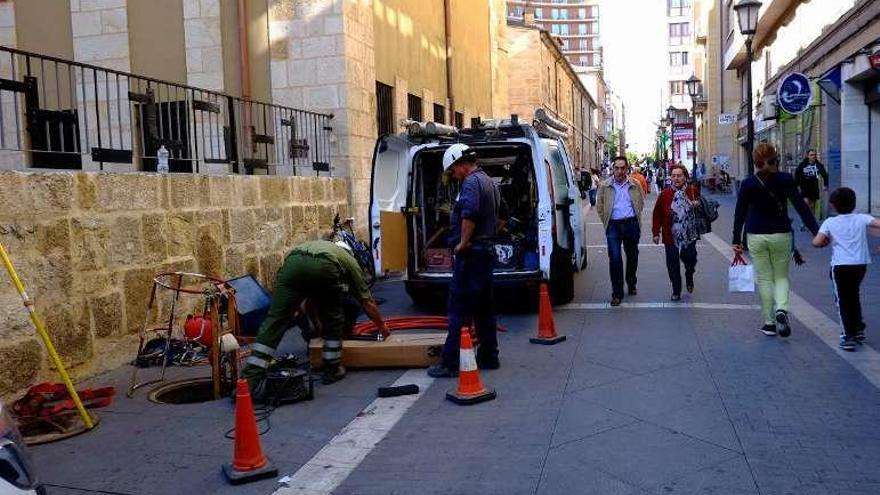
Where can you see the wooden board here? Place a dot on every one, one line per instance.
(393, 241)
(398, 351)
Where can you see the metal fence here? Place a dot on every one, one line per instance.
(56, 113)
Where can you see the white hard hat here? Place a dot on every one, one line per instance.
(343, 245)
(455, 153)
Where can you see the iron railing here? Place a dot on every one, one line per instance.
(57, 113)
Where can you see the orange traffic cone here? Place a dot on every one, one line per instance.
(546, 326)
(470, 388)
(248, 462)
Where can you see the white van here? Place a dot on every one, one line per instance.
(542, 229)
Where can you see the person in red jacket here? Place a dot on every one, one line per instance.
(675, 225)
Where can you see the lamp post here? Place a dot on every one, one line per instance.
(747, 14)
(670, 116)
(693, 88)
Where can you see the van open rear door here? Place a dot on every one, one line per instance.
(578, 211)
(389, 180)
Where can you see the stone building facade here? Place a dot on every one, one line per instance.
(541, 77)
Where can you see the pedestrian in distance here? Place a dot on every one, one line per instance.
(807, 176)
(847, 233)
(472, 233)
(321, 275)
(762, 209)
(619, 203)
(594, 186)
(675, 224)
(640, 178)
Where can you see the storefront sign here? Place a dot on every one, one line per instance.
(682, 134)
(795, 93)
(727, 119)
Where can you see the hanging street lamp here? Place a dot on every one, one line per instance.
(747, 13)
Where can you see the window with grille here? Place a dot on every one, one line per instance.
(384, 109)
(459, 120)
(678, 59)
(439, 114)
(676, 87)
(679, 32)
(678, 7)
(539, 13)
(414, 107)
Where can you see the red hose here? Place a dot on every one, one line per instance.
(408, 323)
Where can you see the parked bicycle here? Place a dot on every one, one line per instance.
(344, 231)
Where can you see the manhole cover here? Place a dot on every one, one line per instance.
(184, 392)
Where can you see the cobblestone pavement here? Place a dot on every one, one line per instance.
(651, 398)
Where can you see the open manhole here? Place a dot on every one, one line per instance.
(192, 391)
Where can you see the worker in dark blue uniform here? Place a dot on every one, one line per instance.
(472, 232)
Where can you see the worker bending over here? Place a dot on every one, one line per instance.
(325, 274)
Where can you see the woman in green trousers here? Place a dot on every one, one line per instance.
(762, 208)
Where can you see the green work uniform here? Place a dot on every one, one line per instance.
(325, 274)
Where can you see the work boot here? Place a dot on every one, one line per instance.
(488, 362)
(332, 374)
(442, 371)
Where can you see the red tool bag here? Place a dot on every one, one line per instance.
(45, 400)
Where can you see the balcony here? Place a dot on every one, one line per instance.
(61, 114)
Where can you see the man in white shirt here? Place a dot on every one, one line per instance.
(847, 233)
(619, 204)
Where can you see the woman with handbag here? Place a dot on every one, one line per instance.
(675, 223)
(762, 208)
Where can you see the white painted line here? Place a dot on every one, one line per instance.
(659, 305)
(330, 467)
(650, 244)
(866, 360)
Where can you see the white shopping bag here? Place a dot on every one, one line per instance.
(741, 276)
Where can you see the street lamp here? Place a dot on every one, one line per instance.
(670, 116)
(747, 13)
(693, 87)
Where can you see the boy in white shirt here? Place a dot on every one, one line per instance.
(847, 233)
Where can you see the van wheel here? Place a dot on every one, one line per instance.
(561, 277)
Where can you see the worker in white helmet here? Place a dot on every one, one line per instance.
(471, 235)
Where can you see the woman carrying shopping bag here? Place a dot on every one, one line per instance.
(675, 223)
(762, 207)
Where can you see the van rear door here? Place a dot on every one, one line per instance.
(567, 198)
(578, 211)
(388, 192)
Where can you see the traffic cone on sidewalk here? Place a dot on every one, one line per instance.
(546, 326)
(470, 388)
(248, 462)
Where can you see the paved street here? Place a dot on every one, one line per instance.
(652, 397)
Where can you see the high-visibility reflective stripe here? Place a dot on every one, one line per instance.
(332, 344)
(262, 349)
(258, 362)
(331, 355)
(466, 360)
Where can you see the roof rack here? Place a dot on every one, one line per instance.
(549, 125)
(428, 129)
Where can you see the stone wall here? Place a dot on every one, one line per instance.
(87, 245)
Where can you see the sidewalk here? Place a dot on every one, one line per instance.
(646, 399)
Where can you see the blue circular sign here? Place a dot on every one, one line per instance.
(795, 93)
